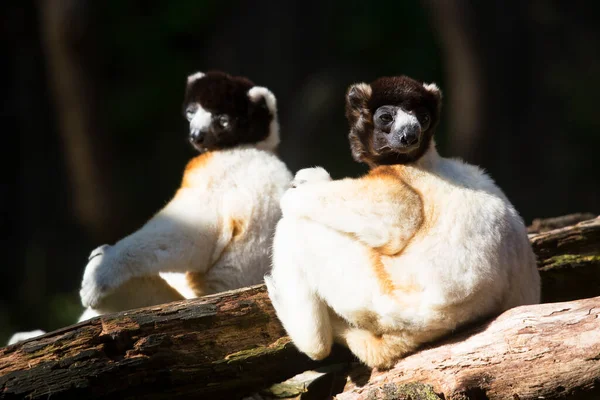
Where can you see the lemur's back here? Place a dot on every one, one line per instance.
(505, 224)
(489, 233)
(245, 184)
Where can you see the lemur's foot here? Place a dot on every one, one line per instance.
(310, 175)
(103, 274)
(20, 336)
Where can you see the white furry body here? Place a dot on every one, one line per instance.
(219, 227)
(216, 233)
(351, 262)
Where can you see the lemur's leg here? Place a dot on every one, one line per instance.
(181, 237)
(378, 209)
(136, 292)
(303, 314)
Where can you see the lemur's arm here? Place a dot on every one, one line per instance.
(381, 211)
(181, 237)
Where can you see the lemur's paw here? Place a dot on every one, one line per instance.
(20, 336)
(310, 175)
(102, 275)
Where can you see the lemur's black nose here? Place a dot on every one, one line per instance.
(197, 135)
(410, 137)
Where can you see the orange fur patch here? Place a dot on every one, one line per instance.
(366, 319)
(384, 279)
(408, 287)
(384, 171)
(195, 163)
(407, 195)
(196, 282)
(238, 228)
(388, 250)
(429, 215)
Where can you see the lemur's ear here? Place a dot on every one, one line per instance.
(433, 89)
(194, 77)
(191, 79)
(358, 95)
(357, 99)
(260, 95)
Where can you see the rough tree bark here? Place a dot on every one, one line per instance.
(231, 344)
(545, 351)
(219, 346)
(569, 261)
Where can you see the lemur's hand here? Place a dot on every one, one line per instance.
(310, 175)
(20, 336)
(295, 197)
(103, 274)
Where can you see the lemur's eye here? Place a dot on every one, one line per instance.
(189, 112)
(224, 121)
(386, 118)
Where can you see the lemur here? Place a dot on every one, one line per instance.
(216, 233)
(218, 228)
(417, 247)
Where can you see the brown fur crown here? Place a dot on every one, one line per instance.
(222, 94)
(362, 100)
(219, 92)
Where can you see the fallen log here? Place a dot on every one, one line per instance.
(230, 344)
(546, 351)
(540, 225)
(569, 261)
(220, 346)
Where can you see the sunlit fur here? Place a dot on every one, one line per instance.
(401, 256)
(216, 232)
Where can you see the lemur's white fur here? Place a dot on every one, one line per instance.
(201, 119)
(194, 77)
(180, 282)
(220, 224)
(432, 87)
(316, 174)
(352, 262)
(20, 336)
(255, 94)
(405, 119)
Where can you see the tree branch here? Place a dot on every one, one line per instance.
(545, 351)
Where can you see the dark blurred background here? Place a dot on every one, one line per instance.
(92, 92)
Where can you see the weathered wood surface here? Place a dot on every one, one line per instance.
(215, 347)
(546, 351)
(569, 261)
(231, 344)
(540, 225)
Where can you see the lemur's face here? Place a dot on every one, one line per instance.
(223, 113)
(399, 129)
(392, 120)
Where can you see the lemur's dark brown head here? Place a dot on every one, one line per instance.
(392, 120)
(225, 111)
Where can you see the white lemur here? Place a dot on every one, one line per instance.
(403, 255)
(216, 233)
(218, 228)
